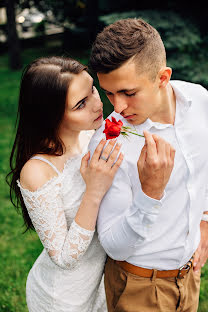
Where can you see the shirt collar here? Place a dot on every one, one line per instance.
(183, 102)
(181, 97)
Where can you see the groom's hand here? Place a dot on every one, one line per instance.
(155, 165)
(201, 254)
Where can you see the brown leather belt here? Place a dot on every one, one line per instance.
(133, 269)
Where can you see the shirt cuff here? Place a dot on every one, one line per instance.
(148, 204)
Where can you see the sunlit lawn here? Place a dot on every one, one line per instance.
(18, 251)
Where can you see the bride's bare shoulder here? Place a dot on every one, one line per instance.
(35, 173)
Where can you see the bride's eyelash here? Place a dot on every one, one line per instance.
(82, 104)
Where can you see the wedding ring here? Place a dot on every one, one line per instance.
(103, 157)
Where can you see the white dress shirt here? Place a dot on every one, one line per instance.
(160, 234)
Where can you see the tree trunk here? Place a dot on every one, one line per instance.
(12, 37)
(92, 19)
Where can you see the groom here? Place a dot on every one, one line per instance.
(153, 222)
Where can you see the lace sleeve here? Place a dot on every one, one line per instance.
(64, 246)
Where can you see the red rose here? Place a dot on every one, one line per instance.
(112, 128)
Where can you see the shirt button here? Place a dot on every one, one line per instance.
(157, 206)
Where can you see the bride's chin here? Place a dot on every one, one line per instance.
(98, 124)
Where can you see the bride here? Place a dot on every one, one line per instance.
(58, 109)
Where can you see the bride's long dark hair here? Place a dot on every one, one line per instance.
(42, 101)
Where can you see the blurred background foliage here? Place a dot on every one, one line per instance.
(34, 28)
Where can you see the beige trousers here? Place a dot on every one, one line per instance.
(126, 292)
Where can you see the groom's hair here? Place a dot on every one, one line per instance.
(127, 39)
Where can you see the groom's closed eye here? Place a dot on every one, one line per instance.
(132, 94)
(108, 93)
(122, 91)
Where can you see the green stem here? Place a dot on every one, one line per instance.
(126, 130)
(136, 134)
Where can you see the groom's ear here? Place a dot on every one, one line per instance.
(164, 76)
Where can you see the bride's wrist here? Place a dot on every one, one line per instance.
(93, 197)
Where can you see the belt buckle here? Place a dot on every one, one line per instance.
(187, 266)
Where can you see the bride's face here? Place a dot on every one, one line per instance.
(84, 109)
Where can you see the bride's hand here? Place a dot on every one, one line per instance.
(98, 174)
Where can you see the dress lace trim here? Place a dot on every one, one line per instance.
(65, 244)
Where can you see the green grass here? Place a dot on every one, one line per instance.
(18, 251)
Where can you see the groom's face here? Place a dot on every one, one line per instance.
(133, 94)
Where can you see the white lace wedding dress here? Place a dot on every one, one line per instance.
(67, 276)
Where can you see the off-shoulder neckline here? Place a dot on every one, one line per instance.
(55, 178)
(59, 176)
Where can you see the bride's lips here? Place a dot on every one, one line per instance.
(99, 117)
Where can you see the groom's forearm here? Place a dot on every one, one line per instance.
(119, 245)
(121, 236)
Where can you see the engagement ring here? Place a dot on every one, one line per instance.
(103, 157)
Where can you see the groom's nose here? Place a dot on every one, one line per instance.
(119, 104)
